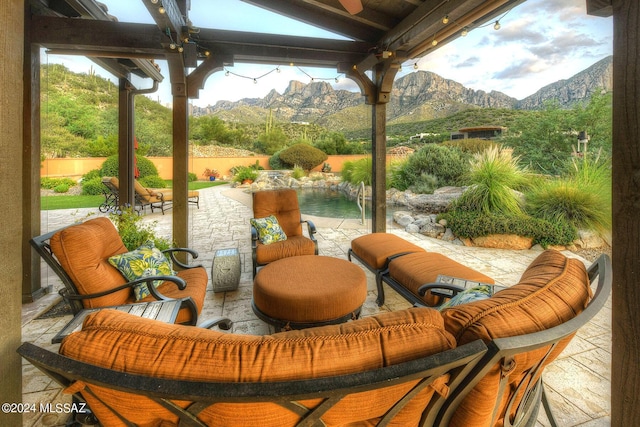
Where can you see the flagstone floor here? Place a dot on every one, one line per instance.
(578, 383)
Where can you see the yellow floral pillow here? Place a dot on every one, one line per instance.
(145, 261)
(269, 231)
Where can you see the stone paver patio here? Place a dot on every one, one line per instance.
(578, 383)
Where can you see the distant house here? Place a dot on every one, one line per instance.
(480, 132)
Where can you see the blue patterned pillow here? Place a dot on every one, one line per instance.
(476, 293)
(147, 260)
(269, 230)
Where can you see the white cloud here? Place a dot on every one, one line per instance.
(541, 41)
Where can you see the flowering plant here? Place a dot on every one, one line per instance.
(211, 173)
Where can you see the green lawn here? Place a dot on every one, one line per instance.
(74, 202)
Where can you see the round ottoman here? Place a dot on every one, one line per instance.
(309, 290)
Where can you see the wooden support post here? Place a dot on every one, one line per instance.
(625, 376)
(378, 177)
(377, 93)
(12, 194)
(180, 150)
(125, 144)
(31, 278)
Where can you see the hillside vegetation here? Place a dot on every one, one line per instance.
(80, 119)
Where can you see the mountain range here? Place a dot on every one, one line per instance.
(418, 96)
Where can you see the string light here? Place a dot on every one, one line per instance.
(464, 32)
(228, 72)
(496, 26)
(445, 20)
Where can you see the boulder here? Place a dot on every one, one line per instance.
(503, 241)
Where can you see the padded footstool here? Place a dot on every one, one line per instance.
(375, 250)
(309, 290)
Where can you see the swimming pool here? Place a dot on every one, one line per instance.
(331, 204)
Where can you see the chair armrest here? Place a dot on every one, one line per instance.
(223, 323)
(310, 227)
(181, 284)
(448, 290)
(172, 254)
(254, 237)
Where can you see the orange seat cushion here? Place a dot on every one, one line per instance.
(123, 342)
(309, 288)
(196, 279)
(416, 269)
(374, 249)
(295, 245)
(553, 290)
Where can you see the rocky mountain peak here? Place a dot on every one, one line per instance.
(417, 96)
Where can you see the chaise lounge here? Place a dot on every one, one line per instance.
(155, 198)
(476, 364)
(406, 268)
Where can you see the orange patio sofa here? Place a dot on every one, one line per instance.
(476, 364)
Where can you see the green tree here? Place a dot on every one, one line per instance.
(303, 155)
(543, 140)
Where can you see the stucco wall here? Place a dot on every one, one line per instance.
(76, 167)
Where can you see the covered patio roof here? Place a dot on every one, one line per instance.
(381, 36)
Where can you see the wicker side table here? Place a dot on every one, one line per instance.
(225, 271)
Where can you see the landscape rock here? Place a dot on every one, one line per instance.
(503, 241)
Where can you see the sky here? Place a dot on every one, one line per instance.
(539, 42)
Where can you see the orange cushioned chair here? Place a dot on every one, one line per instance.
(283, 205)
(79, 255)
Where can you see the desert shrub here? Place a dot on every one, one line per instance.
(52, 183)
(358, 171)
(425, 184)
(298, 172)
(145, 166)
(447, 164)
(397, 178)
(94, 173)
(276, 163)
(476, 224)
(134, 233)
(61, 188)
(583, 198)
(303, 155)
(493, 177)
(152, 181)
(471, 145)
(244, 172)
(92, 186)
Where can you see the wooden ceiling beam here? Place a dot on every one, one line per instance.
(307, 13)
(92, 35)
(602, 8)
(168, 15)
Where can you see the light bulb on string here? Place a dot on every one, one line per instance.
(464, 32)
(445, 20)
(496, 26)
(161, 10)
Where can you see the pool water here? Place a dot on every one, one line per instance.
(331, 204)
